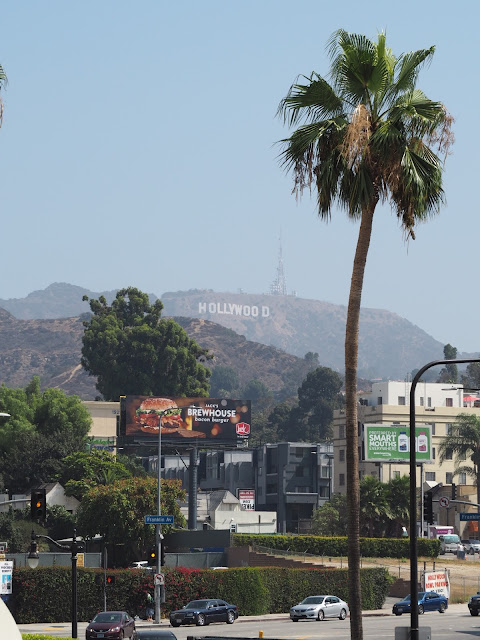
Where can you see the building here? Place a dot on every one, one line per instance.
(436, 406)
(293, 478)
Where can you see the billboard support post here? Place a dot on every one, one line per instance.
(193, 489)
(414, 631)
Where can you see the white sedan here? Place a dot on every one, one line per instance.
(318, 608)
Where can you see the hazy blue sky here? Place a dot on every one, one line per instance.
(138, 149)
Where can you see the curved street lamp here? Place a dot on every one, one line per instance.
(33, 560)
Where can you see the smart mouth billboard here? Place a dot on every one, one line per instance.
(392, 443)
(211, 420)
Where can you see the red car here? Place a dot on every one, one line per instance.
(111, 625)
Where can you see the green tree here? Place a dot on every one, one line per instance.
(133, 351)
(224, 382)
(368, 136)
(449, 373)
(471, 378)
(331, 518)
(398, 499)
(464, 441)
(374, 507)
(82, 471)
(117, 513)
(43, 429)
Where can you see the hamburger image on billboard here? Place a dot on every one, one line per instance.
(203, 418)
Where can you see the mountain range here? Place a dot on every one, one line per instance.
(253, 333)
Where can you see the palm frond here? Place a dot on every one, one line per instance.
(313, 101)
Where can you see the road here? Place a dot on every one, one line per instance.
(456, 622)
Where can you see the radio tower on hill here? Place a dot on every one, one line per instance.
(279, 285)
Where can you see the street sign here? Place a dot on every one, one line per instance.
(158, 519)
(469, 516)
(159, 579)
(444, 501)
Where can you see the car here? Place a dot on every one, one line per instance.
(427, 601)
(318, 608)
(202, 612)
(474, 604)
(472, 546)
(144, 565)
(155, 634)
(111, 625)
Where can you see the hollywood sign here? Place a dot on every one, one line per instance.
(232, 309)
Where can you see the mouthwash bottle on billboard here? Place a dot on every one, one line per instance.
(422, 442)
(403, 441)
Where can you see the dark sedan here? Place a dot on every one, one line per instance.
(427, 601)
(155, 634)
(202, 612)
(111, 625)
(474, 604)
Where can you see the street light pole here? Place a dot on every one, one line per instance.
(158, 528)
(33, 559)
(414, 631)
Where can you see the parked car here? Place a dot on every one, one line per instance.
(471, 546)
(318, 608)
(202, 612)
(427, 601)
(111, 624)
(155, 634)
(474, 604)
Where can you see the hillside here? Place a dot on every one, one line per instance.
(51, 349)
(389, 346)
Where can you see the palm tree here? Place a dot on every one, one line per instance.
(374, 506)
(367, 137)
(462, 441)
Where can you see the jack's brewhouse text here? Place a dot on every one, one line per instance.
(231, 309)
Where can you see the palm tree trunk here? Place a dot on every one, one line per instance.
(351, 432)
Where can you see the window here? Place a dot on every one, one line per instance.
(449, 402)
(433, 453)
(448, 477)
(422, 401)
(461, 456)
(432, 424)
(341, 479)
(448, 428)
(448, 454)
(341, 431)
(379, 400)
(396, 474)
(462, 478)
(325, 472)
(401, 401)
(429, 402)
(341, 457)
(430, 476)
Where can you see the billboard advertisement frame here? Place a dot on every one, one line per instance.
(200, 421)
(391, 443)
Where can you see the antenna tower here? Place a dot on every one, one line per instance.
(279, 285)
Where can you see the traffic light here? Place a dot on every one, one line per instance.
(162, 555)
(38, 504)
(152, 557)
(111, 579)
(454, 491)
(428, 507)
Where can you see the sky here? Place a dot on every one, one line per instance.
(138, 148)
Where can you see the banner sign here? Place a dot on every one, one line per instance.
(469, 516)
(391, 442)
(6, 571)
(437, 581)
(207, 419)
(247, 499)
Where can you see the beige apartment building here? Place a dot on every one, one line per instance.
(437, 406)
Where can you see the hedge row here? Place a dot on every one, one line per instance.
(44, 594)
(336, 547)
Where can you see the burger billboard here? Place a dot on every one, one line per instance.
(210, 420)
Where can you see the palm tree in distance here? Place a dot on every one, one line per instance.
(464, 441)
(366, 137)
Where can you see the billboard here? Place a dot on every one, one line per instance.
(391, 442)
(210, 420)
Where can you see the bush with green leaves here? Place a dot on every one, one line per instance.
(39, 595)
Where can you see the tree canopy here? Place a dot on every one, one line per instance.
(133, 351)
(117, 512)
(464, 440)
(43, 428)
(81, 471)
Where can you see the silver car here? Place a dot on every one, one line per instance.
(318, 608)
(472, 546)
